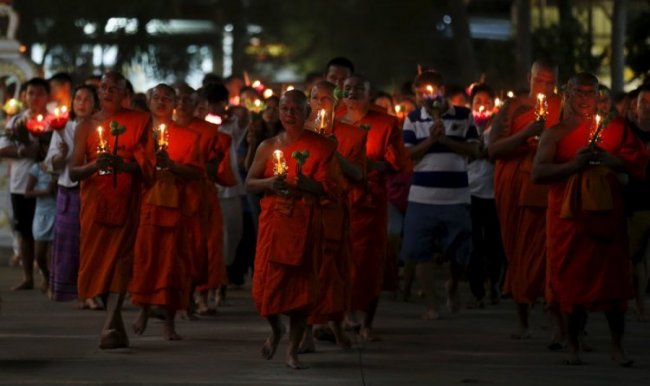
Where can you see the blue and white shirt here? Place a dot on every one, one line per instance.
(440, 177)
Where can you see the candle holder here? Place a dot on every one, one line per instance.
(541, 107)
(102, 148)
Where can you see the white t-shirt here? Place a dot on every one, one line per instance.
(231, 127)
(481, 174)
(19, 167)
(67, 136)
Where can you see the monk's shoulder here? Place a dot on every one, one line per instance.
(318, 143)
(384, 120)
(351, 132)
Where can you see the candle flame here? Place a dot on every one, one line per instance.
(278, 155)
(430, 90)
(290, 87)
(257, 103)
(398, 108)
(481, 108)
(268, 93)
(39, 117)
(256, 84)
(597, 119)
(510, 94)
(64, 109)
(497, 102)
(541, 97)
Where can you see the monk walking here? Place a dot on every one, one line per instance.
(588, 258)
(521, 205)
(161, 270)
(385, 153)
(293, 170)
(110, 201)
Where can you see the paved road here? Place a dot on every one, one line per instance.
(42, 342)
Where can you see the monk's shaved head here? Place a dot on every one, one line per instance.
(324, 85)
(544, 64)
(116, 77)
(295, 96)
(583, 79)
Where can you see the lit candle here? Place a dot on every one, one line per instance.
(510, 94)
(257, 103)
(280, 167)
(162, 134)
(267, 93)
(398, 109)
(497, 103)
(430, 91)
(541, 107)
(290, 87)
(256, 84)
(101, 143)
(213, 119)
(321, 117)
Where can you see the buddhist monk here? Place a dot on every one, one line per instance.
(521, 205)
(205, 225)
(293, 170)
(334, 272)
(588, 258)
(161, 270)
(385, 154)
(108, 167)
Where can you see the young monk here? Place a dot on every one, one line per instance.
(334, 272)
(521, 205)
(162, 261)
(588, 258)
(385, 153)
(110, 204)
(289, 244)
(203, 223)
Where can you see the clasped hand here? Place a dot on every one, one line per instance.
(436, 131)
(595, 154)
(162, 159)
(108, 160)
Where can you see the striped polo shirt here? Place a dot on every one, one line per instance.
(440, 177)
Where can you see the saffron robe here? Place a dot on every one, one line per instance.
(161, 270)
(290, 238)
(588, 259)
(521, 207)
(109, 214)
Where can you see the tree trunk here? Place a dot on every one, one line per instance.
(465, 56)
(617, 62)
(523, 55)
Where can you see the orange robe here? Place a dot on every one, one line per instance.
(587, 236)
(206, 223)
(369, 209)
(109, 215)
(521, 207)
(161, 269)
(334, 271)
(290, 237)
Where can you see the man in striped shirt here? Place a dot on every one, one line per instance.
(440, 138)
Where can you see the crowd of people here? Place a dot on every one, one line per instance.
(328, 196)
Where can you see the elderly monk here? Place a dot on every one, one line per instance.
(205, 224)
(334, 272)
(521, 205)
(110, 201)
(295, 171)
(385, 154)
(588, 260)
(161, 270)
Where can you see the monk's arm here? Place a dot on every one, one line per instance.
(501, 143)
(255, 181)
(352, 171)
(545, 170)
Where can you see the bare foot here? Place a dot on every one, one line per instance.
(169, 333)
(431, 314)
(92, 304)
(294, 363)
(620, 357)
(25, 285)
(271, 344)
(307, 344)
(522, 333)
(368, 335)
(111, 339)
(140, 324)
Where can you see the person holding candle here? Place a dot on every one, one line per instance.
(488, 260)
(385, 155)
(61, 95)
(440, 139)
(65, 244)
(521, 204)
(22, 148)
(588, 258)
(162, 261)
(205, 225)
(110, 204)
(334, 271)
(289, 244)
